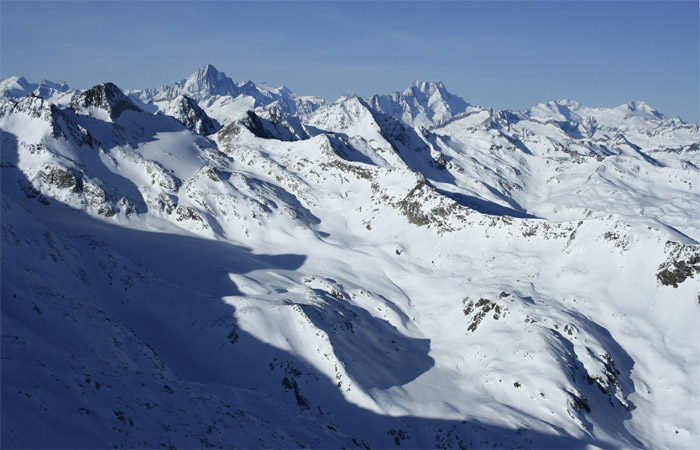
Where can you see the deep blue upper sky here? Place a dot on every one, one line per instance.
(500, 54)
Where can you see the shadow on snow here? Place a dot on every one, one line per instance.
(173, 304)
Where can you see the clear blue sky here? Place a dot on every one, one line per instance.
(500, 54)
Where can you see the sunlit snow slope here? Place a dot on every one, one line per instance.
(405, 271)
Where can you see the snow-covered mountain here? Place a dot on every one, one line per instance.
(405, 273)
(187, 111)
(222, 98)
(58, 93)
(421, 104)
(19, 87)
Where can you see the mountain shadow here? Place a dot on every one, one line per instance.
(116, 337)
(485, 206)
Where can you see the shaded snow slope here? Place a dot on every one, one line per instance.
(343, 279)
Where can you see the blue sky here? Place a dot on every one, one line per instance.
(500, 54)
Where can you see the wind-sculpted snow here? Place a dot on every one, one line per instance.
(336, 277)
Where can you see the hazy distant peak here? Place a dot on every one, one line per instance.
(425, 86)
(347, 96)
(211, 72)
(572, 111)
(423, 103)
(18, 86)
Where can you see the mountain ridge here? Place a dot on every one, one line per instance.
(208, 82)
(229, 273)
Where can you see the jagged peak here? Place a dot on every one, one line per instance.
(423, 103)
(206, 74)
(187, 111)
(109, 97)
(347, 96)
(356, 103)
(571, 104)
(19, 86)
(557, 105)
(286, 90)
(426, 86)
(425, 90)
(62, 86)
(31, 101)
(248, 88)
(210, 71)
(206, 81)
(246, 84)
(185, 100)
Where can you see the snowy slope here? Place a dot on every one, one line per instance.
(343, 279)
(576, 163)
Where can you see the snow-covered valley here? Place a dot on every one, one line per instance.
(222, 264)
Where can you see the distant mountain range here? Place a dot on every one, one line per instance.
(226, 264)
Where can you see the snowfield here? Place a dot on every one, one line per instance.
(221, 264)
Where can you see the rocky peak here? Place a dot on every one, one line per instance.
(422, 103)
(61, 87)
(186, 110)
(209, 71)
(109, 97)
(347, 96)
(248, 88)
(206, 82)
(425, 87)
(30, 104)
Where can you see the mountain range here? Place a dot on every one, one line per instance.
(223, 264)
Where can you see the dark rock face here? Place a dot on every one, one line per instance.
(188, 112)
(59, 177)
(268, 128)
(108, 97)
(683, 263)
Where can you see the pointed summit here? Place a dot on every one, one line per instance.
(187, 111)
(347, 96)
(425, 86)
(106, 96)
(16, 86)
(60, 87)
(209, 87)
(206, 82)
(209, 68)
(423, 103)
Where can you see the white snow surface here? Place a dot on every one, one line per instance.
(355, 274)
(222, 98)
